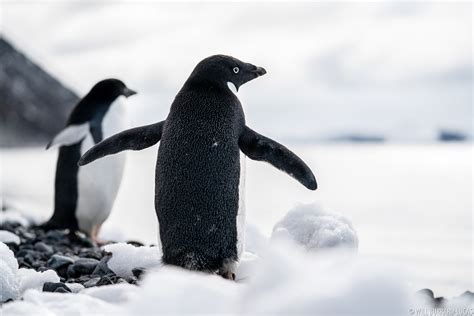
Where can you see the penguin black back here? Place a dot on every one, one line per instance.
(198, 166)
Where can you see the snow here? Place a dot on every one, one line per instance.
(14, 282)
(8, 237)
(284, 279)
(13, 216)
(126, 257)
(31, 279)
(8, 269)
(314, 228)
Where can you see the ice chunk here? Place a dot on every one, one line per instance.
(8, 237)
(315, 228)
(126, 257)
(8, 269)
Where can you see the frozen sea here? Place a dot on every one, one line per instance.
(411, 204)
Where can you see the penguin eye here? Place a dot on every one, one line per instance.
(236, 70)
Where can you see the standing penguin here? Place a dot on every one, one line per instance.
(198, 166)
(83, 198)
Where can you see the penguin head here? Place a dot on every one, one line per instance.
(109, 90)
(222, 70)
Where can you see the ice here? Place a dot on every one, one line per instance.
(314, 228)
(14, 282)
(126, 257)
(8, 237)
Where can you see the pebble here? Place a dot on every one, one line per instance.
(102, 268)
(78, 262)
(52, 287)
(82, 266)
(42, 247)
(138, 272)
(92, 282)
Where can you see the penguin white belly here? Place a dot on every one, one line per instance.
(99, 182)
(241, 211)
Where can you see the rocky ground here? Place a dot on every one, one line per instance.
(83, 267)
(75, 258)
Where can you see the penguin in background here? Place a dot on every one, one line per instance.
(83, 197)
(198, 187)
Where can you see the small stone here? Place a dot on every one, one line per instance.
(75, 287)
(108, 279)
(91, 253)
(61, 290)
(41, 246)
(138, 272)
(82, 266)
(53, 287)
(135, 243)
(92, 282)
(54, 235)
(59, 261)
(13, 247)
(102, 268)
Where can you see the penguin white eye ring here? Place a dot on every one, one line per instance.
(236, 70)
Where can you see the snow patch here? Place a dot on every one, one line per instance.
(13, 216)
(8, 237)
(314, 228)
(126, 257)
(14, 282)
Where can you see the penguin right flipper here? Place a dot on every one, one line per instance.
(70, 135)
(261, 148)
(137, 138)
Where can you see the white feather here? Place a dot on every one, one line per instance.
(72, 134)
(241, 211)
(99, 181)
(232, 87)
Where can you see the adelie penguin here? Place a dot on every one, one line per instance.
(198, 189)
(83, 197)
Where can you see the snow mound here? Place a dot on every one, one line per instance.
(8, 270)
(255, 242)
(314, 228)
(126, 257)
(14, 282)
(8, 237)
(13, 216)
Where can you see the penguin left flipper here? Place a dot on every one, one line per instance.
(137, 138)
(70, 135)
(261, 148)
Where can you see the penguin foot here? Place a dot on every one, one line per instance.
(228, 275)
(227, 269)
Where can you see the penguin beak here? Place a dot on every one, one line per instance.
(128, 92)
(259, 71)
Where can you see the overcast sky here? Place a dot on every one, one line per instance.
(403, 70)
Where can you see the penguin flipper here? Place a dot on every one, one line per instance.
(70, 135)
(261, 148)
(137, 138)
